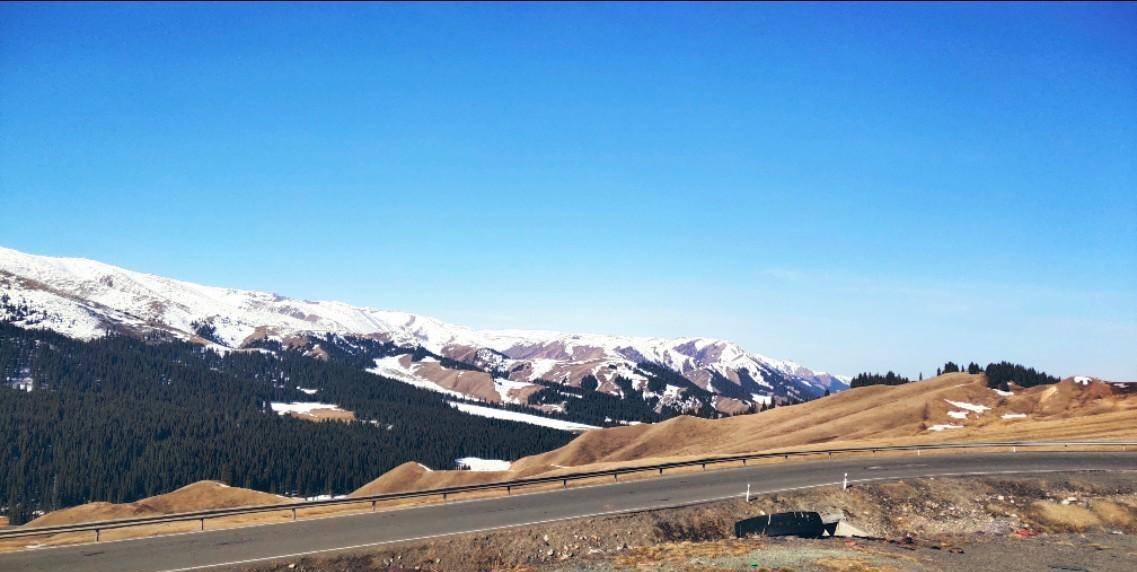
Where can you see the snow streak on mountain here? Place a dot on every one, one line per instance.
(85, 299)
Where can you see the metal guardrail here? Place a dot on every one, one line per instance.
(201, 516)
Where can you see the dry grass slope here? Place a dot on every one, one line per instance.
(858, 417)
(863, 416)
(202, 495)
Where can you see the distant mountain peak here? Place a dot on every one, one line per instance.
(85, 299)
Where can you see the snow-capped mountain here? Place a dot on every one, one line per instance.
(86, 299)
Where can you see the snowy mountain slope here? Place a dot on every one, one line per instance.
(86, 299)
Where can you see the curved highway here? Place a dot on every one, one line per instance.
(222, 549)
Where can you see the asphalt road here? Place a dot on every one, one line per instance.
(230, 548)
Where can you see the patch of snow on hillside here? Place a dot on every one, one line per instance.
(84, 299)
(942, 427)
(425, 468)
(1083, 380)
(476, 464)
(392, 368)
(301, 407)
(1002, 393)
(307, 391)
(957, 414)
(968, 406)
(639, 381)
(539, 367)
(51, 312)
(504, 386)
(761, 399)
(1014, 416)
(492, 413)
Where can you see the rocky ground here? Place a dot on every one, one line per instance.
(1070, 521)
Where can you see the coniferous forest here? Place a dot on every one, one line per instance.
(117, 419)
(866, 379)
(1002, 373)
(998, 375)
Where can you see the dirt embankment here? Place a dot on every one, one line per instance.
(922, 524)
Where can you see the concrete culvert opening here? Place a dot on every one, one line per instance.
(803, 524)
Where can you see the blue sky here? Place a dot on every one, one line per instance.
(853, 187)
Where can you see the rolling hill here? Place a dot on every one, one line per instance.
(912, 413)
(952, 407)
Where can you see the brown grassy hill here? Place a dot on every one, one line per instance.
(414, 476)
(202, 495)
(951, 407)
(871, 415)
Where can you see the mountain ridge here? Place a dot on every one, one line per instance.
(84, 299)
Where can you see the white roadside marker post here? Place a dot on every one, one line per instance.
(747, 492)
(845, 482)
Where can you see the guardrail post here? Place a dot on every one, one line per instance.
(203, 523)
(830, 455)
(293, 514)
(443, 497)
(508, 490)
(373, 502)
(743, 462)
(616, 476)
(564, 483)
(97, 535)
(787, 457)
(661, 471)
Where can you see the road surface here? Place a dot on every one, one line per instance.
(231, 548)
